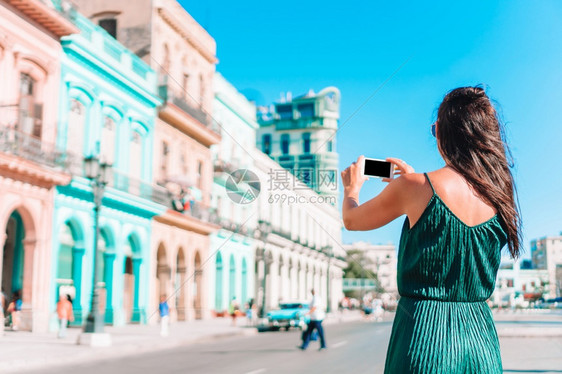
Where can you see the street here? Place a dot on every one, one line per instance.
(355, 347)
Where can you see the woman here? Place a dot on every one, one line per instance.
(458, 219)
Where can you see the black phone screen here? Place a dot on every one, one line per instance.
(376, 168)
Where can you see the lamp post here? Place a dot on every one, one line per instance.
(264, 228)
(98, 174)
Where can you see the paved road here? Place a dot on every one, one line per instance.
(356, 347)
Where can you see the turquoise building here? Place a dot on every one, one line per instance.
(300, 134)
(107, 107)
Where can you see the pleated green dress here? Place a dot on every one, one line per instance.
(446, 272)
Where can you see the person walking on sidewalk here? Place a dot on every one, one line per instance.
(65, 314)
(164, 316)
(234, 310)
(317, 315)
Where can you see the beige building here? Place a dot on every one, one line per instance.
(300, 249)
(547, 254)
(381, 259)
(165, 36)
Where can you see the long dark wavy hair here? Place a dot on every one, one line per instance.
(472, 141)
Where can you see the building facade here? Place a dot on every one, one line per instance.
(298, 240)
(231, 273)
(547, 254)
(299, 133)
(107, 109)
(166, 37)
(381, 259)
(30, 166)
(518, 284)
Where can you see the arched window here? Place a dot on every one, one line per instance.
(75, 129)
(107, 140)
(135, 161)
(30, 112)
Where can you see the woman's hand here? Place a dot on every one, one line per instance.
(400, 168)
(352, 177)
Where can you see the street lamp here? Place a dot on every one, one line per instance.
(264, 228)
(98, 173)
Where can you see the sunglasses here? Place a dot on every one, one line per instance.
(433, 130)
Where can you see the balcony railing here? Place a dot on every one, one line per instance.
(185, 103)
(29, 147)
(227, 224)
(136, 187)
(221, 166)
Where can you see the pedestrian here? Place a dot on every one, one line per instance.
(458, 219)
(317, 315)
(65, 314)
(164, 316)
(249, 311)
(14, 309)
(234, 310)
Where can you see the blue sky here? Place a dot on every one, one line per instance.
(513, 47)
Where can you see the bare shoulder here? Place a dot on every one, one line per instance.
(410, 187)
(411, 182)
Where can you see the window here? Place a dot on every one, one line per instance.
(30, 113)
(330, 145)
(285, 111)
(164, 161)
(185, 85)
(135, 169)
(75, 128)
(306, 110)
(285, 144)
(201, 91)
(266, 144)
(306, 142)
(107, 141)
(183, 161)
(109, 25)
(199, 174)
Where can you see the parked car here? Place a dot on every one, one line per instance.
(555, 303)
(290, 314)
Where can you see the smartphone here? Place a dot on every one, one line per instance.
(375, 168)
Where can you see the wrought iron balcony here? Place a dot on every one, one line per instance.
(229, 225)
(182, 100)
(29, 147)
(136, 187)
(221, 166)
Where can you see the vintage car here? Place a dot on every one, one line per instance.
(290, 314)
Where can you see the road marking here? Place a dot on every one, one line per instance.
(259, 371)
(339, 344)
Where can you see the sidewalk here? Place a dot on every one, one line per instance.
(29, 351)
(528, 323)
(23, 350)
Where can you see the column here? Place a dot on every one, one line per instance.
(109, 259)
(77, 256)
(26, 321)
(138, 314)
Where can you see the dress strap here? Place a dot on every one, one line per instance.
(431, 184)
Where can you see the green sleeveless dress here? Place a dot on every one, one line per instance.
(446, 272)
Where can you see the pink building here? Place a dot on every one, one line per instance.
(30, 167)
(174, 44)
